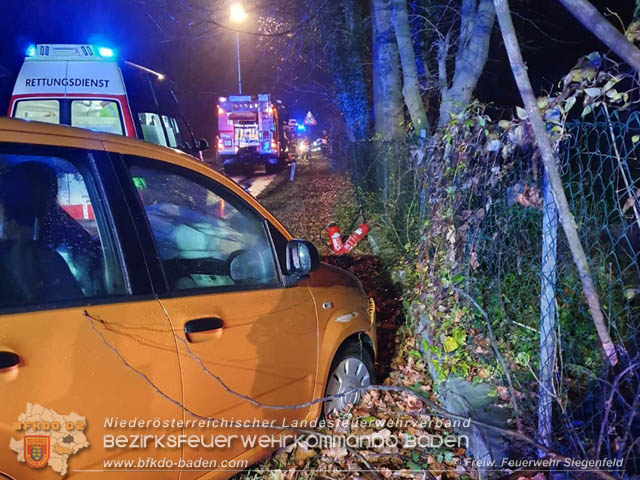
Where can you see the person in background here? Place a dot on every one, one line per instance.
(325, 146)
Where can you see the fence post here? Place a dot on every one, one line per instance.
(293, 171)
(547, 313)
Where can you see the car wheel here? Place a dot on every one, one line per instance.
(352, 368)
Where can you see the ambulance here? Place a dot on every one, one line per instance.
(248, 134)
(88, 86)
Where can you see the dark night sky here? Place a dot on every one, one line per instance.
(552, 41)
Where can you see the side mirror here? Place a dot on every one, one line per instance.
(202, 145)
(302, 258)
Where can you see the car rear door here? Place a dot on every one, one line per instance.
(86, 351)
(238, 340)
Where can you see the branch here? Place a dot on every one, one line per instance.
(609, 403)
(546, 151)
(592, 20)
(383, 388)
(285, 33)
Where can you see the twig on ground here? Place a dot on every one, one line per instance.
(384, 388)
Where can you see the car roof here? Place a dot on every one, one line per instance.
(33, 127)
(39, 133)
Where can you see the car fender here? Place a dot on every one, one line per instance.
(343, 313)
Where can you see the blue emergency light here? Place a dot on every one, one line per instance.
(106, 52)
(31, 51)
(301, 127)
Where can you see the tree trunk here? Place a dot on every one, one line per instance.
(411, 83)
(593, 20)
(476, 24)
(546, 151)
(376, 81)
(387, 92)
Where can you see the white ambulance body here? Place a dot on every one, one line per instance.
(78, 85)
(87, 86)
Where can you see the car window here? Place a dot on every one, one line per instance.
(246, 133)
(47, 111)
(98, 115)
(202, 234)
(184, 130)
(152, 128)
(173, 132)
(54, 243)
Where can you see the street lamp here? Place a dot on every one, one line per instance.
(238, 15)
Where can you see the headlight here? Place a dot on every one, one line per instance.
(302, 147)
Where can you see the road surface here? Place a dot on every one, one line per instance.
(255, 183)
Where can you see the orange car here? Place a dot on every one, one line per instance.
(151, 313)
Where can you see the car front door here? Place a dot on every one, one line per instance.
(242, 336)
(84, 345)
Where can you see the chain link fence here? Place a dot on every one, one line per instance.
(493, 221)
(521, 267)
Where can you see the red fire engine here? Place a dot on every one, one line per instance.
(248, 134)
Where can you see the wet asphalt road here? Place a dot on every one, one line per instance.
(255, 183)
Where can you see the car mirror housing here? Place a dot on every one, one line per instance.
(302, 258)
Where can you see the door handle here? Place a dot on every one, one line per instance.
(8, 361)
(203, 329)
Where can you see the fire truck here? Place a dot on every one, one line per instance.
(248, 134)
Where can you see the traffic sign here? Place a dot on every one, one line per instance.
(310, 119)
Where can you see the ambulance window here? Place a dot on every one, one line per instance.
(99, 115)
(152, 128)
(47, 111)
(173, 132)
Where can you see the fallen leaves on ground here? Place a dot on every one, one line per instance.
(394, 432)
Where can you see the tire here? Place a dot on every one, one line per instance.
(231, 170)
(238, 170)
(352, 368)
(270, 168)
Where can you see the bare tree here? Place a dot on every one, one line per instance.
(387, 94)
(476, 23)
(411, 84)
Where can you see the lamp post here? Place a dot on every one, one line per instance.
(237, 16)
